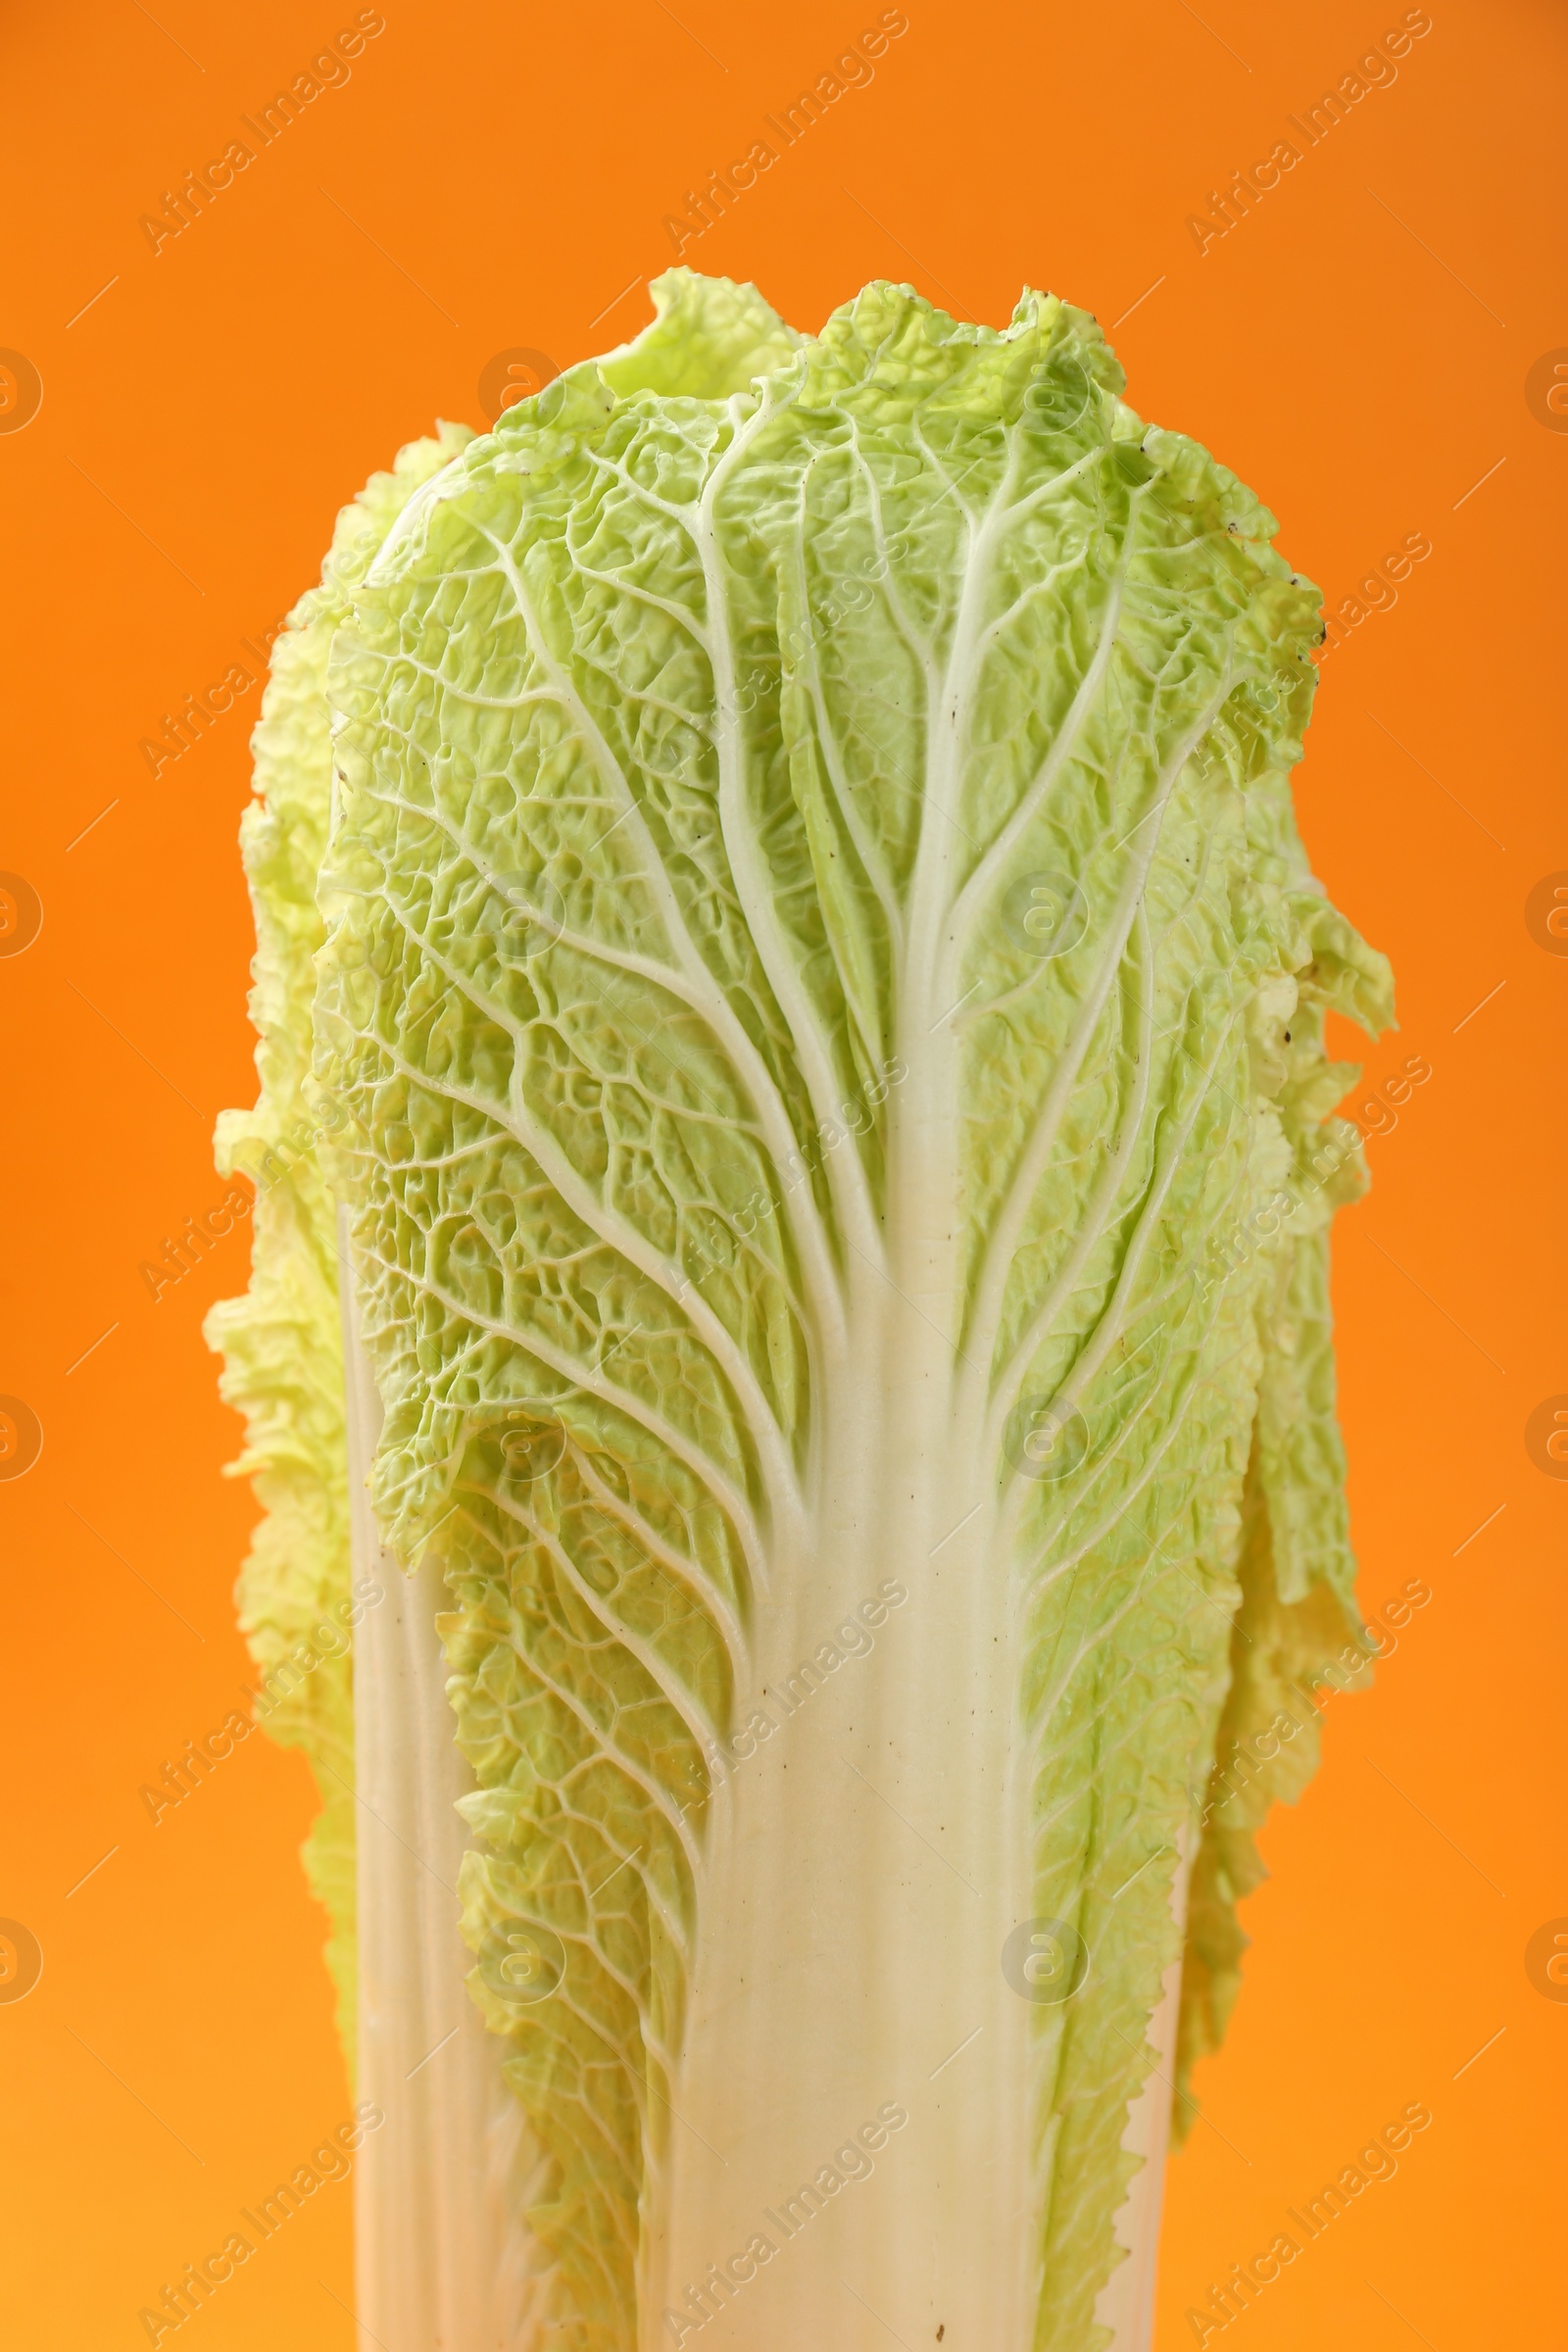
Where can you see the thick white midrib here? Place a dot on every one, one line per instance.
(930, 1110)
(867, 1864)
(955, 2246)
(851, 1917)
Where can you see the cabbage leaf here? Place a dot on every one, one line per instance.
(818, 1030)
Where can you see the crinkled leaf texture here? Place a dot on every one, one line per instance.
(282, 1344)
(822, 1005)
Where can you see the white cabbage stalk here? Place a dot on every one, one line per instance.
(819, 1010)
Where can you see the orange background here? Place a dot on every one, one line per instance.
(1358, 351)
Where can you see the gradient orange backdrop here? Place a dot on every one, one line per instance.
(1359, 348)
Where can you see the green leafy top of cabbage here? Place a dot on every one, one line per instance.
(808, 900)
